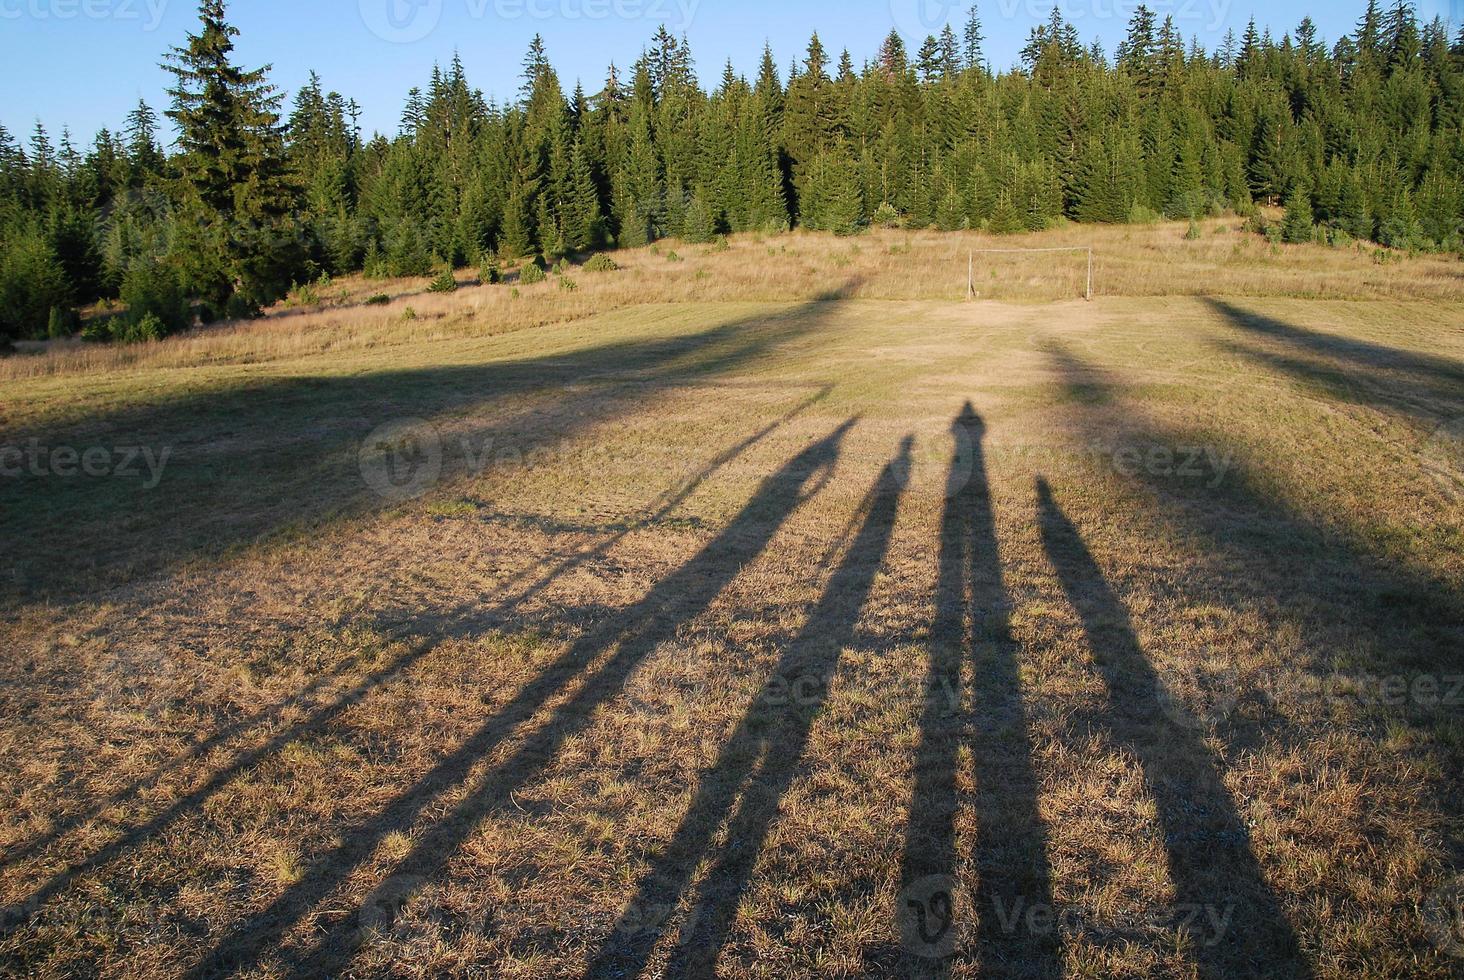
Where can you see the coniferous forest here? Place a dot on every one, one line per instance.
(1361, 138)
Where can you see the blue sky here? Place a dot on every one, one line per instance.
(84, 63)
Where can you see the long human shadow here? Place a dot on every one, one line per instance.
(1222, 899)
(1427, 387)
(756, 765)
(1303, 559)
(300, 435)
(463, 620)
(1013, 902)
(619, 644)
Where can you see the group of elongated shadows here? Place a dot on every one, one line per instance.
(1210, 860)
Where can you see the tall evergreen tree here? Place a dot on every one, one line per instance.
(239, 202)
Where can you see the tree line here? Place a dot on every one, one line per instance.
(1360, 139)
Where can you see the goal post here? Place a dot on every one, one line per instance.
(971, 264)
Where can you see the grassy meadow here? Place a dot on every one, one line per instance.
(768, 610)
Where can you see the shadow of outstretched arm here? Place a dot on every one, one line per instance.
(1222, 899)
(630, 637)
(755, 768)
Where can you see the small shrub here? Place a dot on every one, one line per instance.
(444, 283)
(409, 314)
(567, 284)
(1194, 232)
(489, 274)
(514, 293)
(1139, 214)
(305, 295)
(375, 266)
(153, 288)
(885, 216)
(144, 330)
(380, 299)
(62, 323)
(672, 256)
(601, 263)
(720, 244)
(532, 274)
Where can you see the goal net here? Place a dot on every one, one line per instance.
(1030, 273)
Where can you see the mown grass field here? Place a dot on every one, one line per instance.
(770, 612)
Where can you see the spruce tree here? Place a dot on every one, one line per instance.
(240, 247)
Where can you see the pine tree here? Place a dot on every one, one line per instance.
(974, 39)
(239, 201)
(1299, 227)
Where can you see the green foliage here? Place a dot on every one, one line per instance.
(489, 274)
(248, 205)
(444, 283)
(62, 323)
(380, 299)
(1141, 214)
(601, 263)
(1299, 227)
(567, 284)
(885, 216)
(531, 274)
(698, 226)
(142, 330)
(32, 283)
(153, 289)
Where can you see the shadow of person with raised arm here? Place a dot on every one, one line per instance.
(619, 645)
(1235, 923)
(467, 620)
(1013, 902)
(756, 766)
(1426, 387)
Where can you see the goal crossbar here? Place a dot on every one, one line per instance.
(971, 265)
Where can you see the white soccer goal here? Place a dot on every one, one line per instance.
(971, 266)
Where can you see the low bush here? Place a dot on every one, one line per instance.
(885, 216)
(531, 274)
(143, 330)
(601, 263)
(380, 299)
(444, 283)
(153, 288)
(567, 284)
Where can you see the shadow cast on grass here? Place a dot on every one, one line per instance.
(972, 624)
(1359, 615)
(1426, 387)
(740, 795)
(601, 661)
(259, 458)
(1234, 920)
(464, 622)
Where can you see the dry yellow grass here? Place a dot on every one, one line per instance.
(759, 621)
